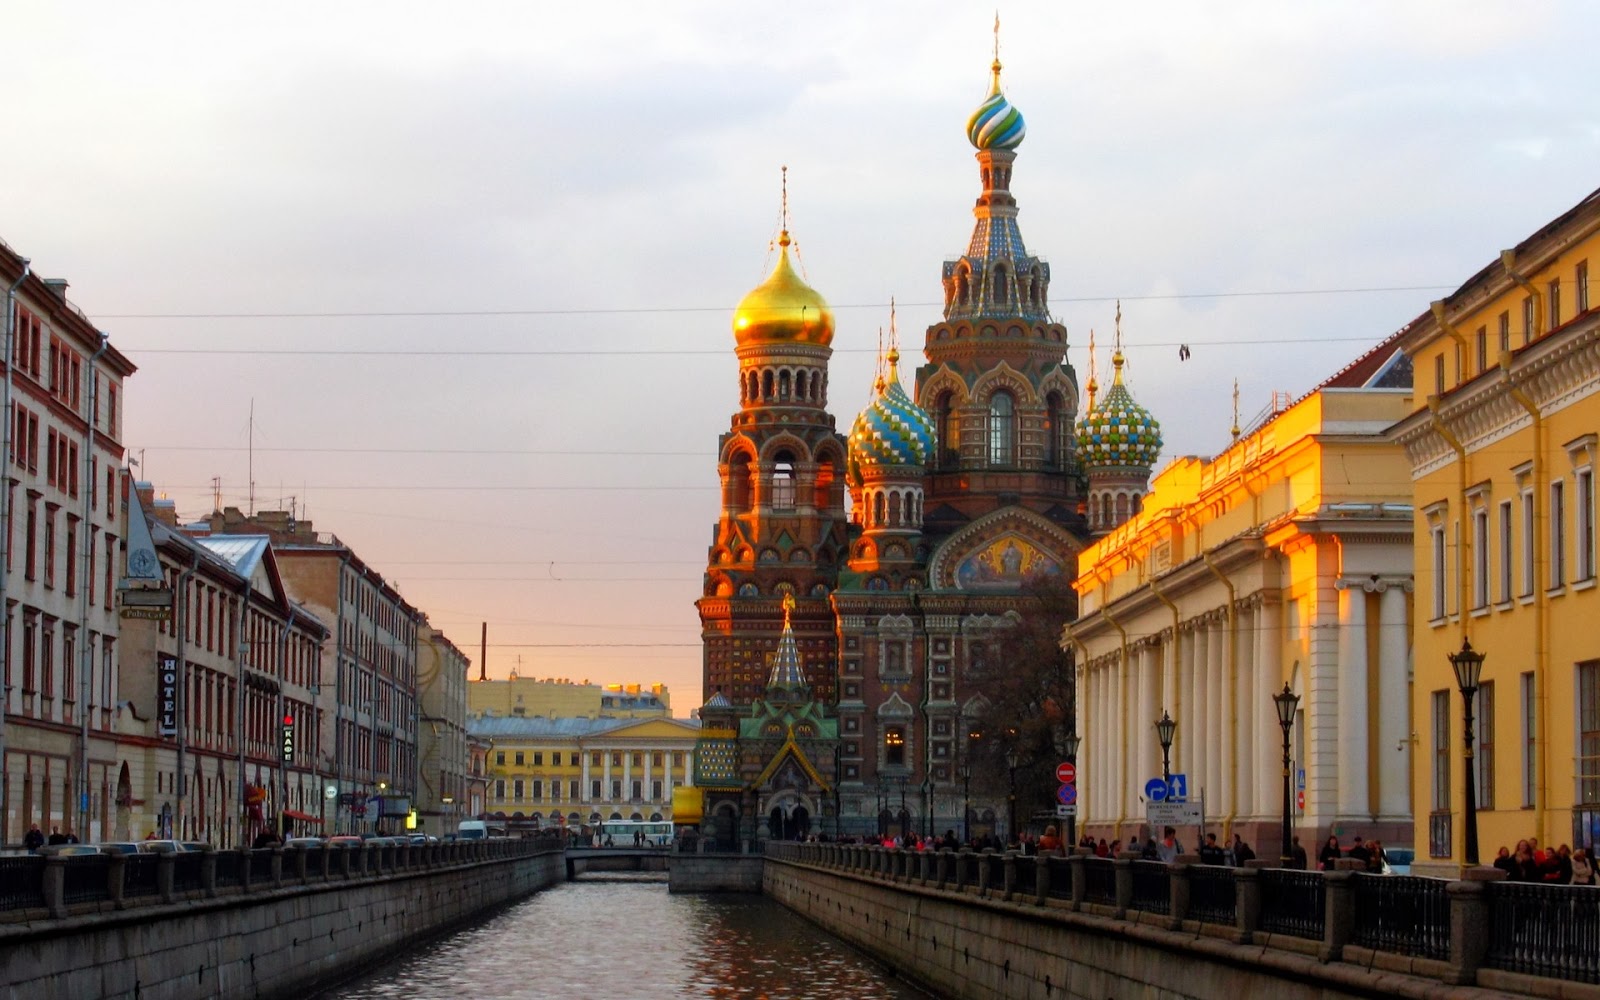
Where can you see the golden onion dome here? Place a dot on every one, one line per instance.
(783, 309)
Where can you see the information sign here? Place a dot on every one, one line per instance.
(1173, 813)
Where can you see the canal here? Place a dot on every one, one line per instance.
(620, 937)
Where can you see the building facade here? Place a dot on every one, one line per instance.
(444, 765)
(961, 492)
(62, 521)
(1502, 448)
(545, 773)
(371, 654)
(558, 698)
(1285, 560)
(221, 737)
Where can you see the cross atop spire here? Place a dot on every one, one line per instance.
(997, 41)
(1116, 350)
(783, 238)
(1094, 381)
(1235, 409)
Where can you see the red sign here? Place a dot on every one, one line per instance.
(1066, 773)
(1300, 800)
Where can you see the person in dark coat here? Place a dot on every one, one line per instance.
(1241, 852)
(1329, 854)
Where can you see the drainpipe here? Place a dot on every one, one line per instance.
(181, 715)
(5, 516)
(1437, 306)
(240, 735)
(85, 654)
(338, 692)
(1228, 692)
(1122, 659)
(1463, 537)
(1508, 259)
(1541, 601)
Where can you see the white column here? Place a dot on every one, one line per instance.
(688, 769)
(627, 777)
(1227, 695)
(1352, 673)
(605, 777)
(1394, 726)
(1269, 732)
(1243, 694)
(1216, 737)
(1106, 745)
(1146, 750)
(645, 788)
(1119, 705)
(1192, 724)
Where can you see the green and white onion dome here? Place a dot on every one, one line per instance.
(1119, 432)
(996, 124)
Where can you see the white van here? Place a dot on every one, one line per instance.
(472, 829)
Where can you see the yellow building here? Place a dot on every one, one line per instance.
(1286, 559)
(555, 698)
(1502, 446)
(545, 772)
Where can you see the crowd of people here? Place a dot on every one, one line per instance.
(1560, 866)
(35, 838)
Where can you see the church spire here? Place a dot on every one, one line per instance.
(787, 675)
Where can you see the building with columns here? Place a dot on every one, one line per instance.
(1501, 446)
(1284, 560)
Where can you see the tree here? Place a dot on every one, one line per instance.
(1031, 697)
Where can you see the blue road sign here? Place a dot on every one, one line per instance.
(1300, 780)
(1067, 794)
(1178, 788)
(1155, 790)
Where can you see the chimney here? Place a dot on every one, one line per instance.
(165, 511)
(58, 286)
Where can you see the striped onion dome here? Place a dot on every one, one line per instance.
(996, 124)
(893, 430)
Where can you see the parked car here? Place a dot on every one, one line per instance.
(162, 846)
(303, 842)
(423, 838)
(69, 850)
(119, 847)
(1400, 859)
(345, 840)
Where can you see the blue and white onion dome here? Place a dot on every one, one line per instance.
(996, 124)
(892, 431)
(1118, 431)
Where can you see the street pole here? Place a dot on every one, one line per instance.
(1468, 667)
(966, 802)
(1286, 701)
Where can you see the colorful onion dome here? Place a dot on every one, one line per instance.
(1118, 431)
(996, 124)
(783, 309)
(892, 430)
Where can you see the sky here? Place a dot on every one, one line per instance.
(472, 266)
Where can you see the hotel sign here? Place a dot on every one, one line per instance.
(167, 694)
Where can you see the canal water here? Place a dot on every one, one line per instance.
(623, 936)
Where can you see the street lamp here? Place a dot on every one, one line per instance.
(1011, 768)
(1287, 702)
(1069, 746)
(966, 800)
(1468, 665)
(1165, 727)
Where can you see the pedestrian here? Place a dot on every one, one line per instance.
(1297, 855)
(56, 836)
(1169, 848)
(33, 839)
(1049, 843)
(1211, 852)
(1582, 869)
(1241, 852)
(1361, 852)
(1329, 854)
(1504, 862)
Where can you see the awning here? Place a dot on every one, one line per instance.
(303, 817)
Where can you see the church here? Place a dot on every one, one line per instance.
(843, 641)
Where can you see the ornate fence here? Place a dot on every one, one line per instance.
(1545, 930)
(1293, 903)
(1408, 916)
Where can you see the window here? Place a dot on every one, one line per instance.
(1002, 429)
(538, 759)
(616, 788)
(50, 546)
(1483, 350)
(1527, 543)
(594, 789)
(1580, 286)
(1555, 303)
(1505, 332)
(946, 425)
(1485, 750)
(1558, 534)
(519, 758)
(1438, 375)
(517, 790)
(1584, 524)
(1480, 557)
(572, 790)
(500, 758)
(637, 789)
(656, 759)
(72, 556)
(555, 790)
(538, 790)
(1529, 735)
(500, 789)
(783, 484)
(1589, 732)
(1505, 551)
(555, 758)
(1440, 581)
(1441, 751)
(1528, 331)
(655, 791)
(894, 746)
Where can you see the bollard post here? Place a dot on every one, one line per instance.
(1246, 902)
(1469, 923)
(942, 869)
(1009, 874)
(55, 885)
(982, 861)
(1339, 913)
(1122, 879)
(1080, 880)
(277, 868)
(208, 871)
(116, 879)
(1043, 877)
(166, 862)
(1178, 889)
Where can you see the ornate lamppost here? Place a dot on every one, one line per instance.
(966, 799)
(1012, 760)
(1287, 703)
(1165, 728)
(1468, 665)
(1069, 746)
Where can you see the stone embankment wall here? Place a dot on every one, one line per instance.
(715, 873)
(270, 943)
(969, 945)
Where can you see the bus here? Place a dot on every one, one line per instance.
(633, 833)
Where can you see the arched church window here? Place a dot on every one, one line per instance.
(999, 291)
(783, 483)
(739, 482)
(963, 285)
(800, 386)
(783, 384)
(945, 427)
(1122, 507)
(1036, 287)
(894, 510)
(879, 513)
(766, 384)
(1052, 430)
(1002, 429)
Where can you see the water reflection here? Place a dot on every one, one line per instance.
(624, 937)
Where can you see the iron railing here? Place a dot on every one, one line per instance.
(188, 872)
(1402, 914)
(21, 883)
(1545, 930)
(1152, 887)
(85, 879)
(230, 869)
(1293, 903)
(139, 875)
(1211, 894)
(1100, 878)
